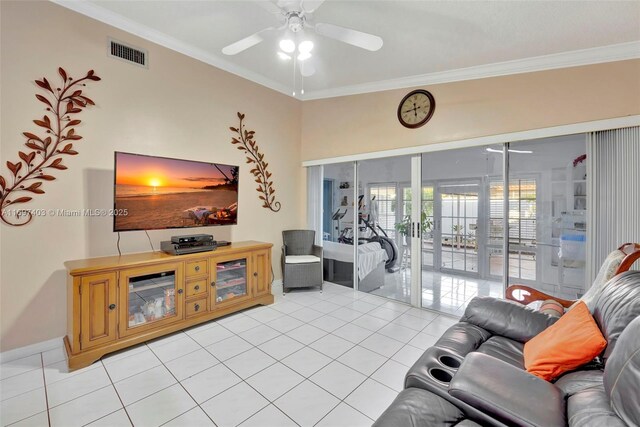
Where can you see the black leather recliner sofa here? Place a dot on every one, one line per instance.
(475, 375)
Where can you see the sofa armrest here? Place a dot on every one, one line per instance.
(506, 318)
(317, 251)
(508, 394)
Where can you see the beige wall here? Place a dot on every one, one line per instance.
(366, 123)
(182, 108)
(179, 107)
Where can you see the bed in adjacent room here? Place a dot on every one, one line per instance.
(338, 264)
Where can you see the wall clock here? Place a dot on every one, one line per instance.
(416, 108)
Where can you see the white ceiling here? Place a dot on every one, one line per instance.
(424, 41)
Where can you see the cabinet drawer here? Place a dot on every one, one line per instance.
(196, 287)
(197, 268)
(196, 307)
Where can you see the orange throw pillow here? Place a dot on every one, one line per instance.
(567, 344)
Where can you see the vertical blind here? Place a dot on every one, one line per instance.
(613, 178)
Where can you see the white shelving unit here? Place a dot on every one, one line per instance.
(568, 232)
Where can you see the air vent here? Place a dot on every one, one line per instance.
(131, 54)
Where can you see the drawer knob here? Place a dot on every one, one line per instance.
(197, 268)
(112, 306)
(180, 291)
(196, 287)
(196, 307)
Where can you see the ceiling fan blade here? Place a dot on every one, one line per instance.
(271, 7)
(310, 6)
(245, 43)
(352, 37)
(307, 69)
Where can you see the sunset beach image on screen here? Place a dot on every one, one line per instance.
(157, 192)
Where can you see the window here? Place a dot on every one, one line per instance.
(384, 195)
(522, 212)
(522, 225)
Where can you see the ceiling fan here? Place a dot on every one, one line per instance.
(295, 16)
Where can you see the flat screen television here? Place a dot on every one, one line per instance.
(152, 193)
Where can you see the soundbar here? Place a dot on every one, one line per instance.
(187, 247)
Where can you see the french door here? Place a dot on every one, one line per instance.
(451, 226)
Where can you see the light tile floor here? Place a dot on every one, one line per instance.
(444, 292)
(336, 358)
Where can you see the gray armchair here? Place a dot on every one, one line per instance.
(301, 260)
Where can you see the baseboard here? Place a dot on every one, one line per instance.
(19, 353)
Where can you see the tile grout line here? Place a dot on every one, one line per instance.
(46, 396)
(241, 379)
(117, 394)
(326, 333)
(183, 387)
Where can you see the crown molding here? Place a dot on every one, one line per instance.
(575, 58)
(597, 55)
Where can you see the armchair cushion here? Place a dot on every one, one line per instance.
(506, 318)
(301, 259)
(507, 393)
(571, 342)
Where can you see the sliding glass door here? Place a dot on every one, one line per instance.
(432, 229)
(456, 204)
(547, 215)
(385, 228)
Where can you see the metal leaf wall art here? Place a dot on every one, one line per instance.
(34, 167)
(246, 143)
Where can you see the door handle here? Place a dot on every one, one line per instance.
(112, 306)
(413, 229)
(418, 229)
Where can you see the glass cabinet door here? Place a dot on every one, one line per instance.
(153, 297)
(231, 281)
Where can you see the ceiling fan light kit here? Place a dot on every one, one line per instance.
(294, 18)
(304, 56)
(305, 46)
(287, 45)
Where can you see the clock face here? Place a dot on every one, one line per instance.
(416, 108)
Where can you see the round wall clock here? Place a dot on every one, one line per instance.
(416, 108)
